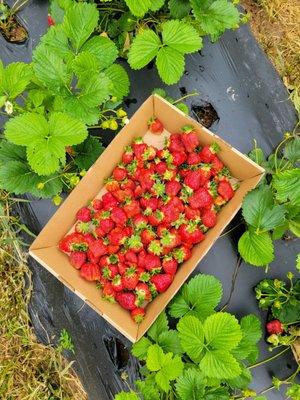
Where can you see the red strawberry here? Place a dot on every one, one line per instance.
(130, 278)
(149, 154)
(189, 138)
(152, 263)
(111, 185)
(216, 164)
(169, 175)
(92, 258)
(88, 238)
(112, 249)
(139, 147)
(105, 226)
(90, 272)
(123, 194)
(170, 212)
(155, 247)
(119, 216)
(107, 260)
(208, 152)
(192, 213)
(182, 253)
(170, 239)
(96, 204)
(225, 190)
(195, 179)
(127, 156)
(149, 203)
(174, 143)
(209, 218)
(143, 293)
(132, 208)
(50, 20)
(108, 293)
(138, 314)
(77, 259)
(119, 173)
(110, 271)
(140, 221)
(116, 283)
(172, 188)
(84, 214)
(138, 191)
(146, 178)
(73, 242)
(127, 184)
(190, 233)
(200, 199)
(169, 265)
(98, 248)
(193, 159)
(82, 227)
(127, 300)
(178, 158)
(117, 236)
(155, 126)
(161, 282)
(156, 218)
(147, 235)
(161, 167)
(142, 259)
(122, 268)
(275, 327)
(176, 203)
(130, 256)
(109, 201)
(134, 243)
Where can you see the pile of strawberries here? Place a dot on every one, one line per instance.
(158, 204)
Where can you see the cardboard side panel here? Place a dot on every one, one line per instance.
(199, 251)
(57, 263)
(92, 182)
(241, 166)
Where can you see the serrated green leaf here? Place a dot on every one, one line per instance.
(287, 186)
(293, 392)
(103, 48)
(15, 78)
(252, 333)
(11, 152)
(158, 327)
(292, 150)
(259, 209)
(144, 48)
(170, 65)
(183, 107)
(140, 348)
(138, 8)
(85, 65)
(25, 128)
(242, 381)
(222, 331)
(155, 358)
(294, 226)
(57, 9)
(56, 41)
(170, 371)
(219, 393)
(289, 313)
(169, 342)
(156, 5)
(126, 396)
(191, 385)
(119, 79)
(181, 36)
(256, 249)
(220, 364)
(179, 306)
(191, 336)
(148, 391)
(80, 22)
(215, 16)
(179, 8)
(298, 262)
(49, 68)
(87, 152)
(279, 231)
(257, 155)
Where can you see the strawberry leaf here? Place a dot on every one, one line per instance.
(256, 249)
(287, 186)
(103, 49)
(181, 36)
(119, 79)
(220, 364)
(171, 369)
(159, 326)
(169, 342)
(88, 152)
(191, 336)
(144, 48)
(292, 150)
(11, 152)
(251, 329)
(126, 396)
(140, 348)
(170, 65)
(155, 358)
(191, 385)
(242, 381)
(56, 41)
(138, 8)
(156, 5)
(85, 65)
(14, 79)
(179, 8)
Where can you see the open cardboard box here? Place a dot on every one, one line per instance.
(44, 248)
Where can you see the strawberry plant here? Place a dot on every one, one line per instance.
(206, 353)
(273, 208)
(161, 31)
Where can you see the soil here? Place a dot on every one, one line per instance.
(13, 31)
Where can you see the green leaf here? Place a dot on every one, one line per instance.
(156, 5)
(289, 313)
(140, 348)
(179, 8)
(171, 370)
(220, 364)
(294, 226)
(199, 297)
(191, 336)
(50, 68)
(148, 390)
(257, 155)
(191, 385)
(215, 16)
(88, 152)
(256, 249)
(242, 381)
(252, 333)
(56, 41)
(293, 391)
(155, 358)
(298, 262)
(181, 36)
(158, 327)
(292, 150)
(259, 209)
(222, 331)
(219, 393)
(119, 79)
(126, 396)
(183, 107)
(138, 8)
(144, 48)
(80, 22)
(170, 65)
(287, 186)
(85, 64)
(103, 49)
(11, 152)
(279, 231)
(16, 77)
(169, 342)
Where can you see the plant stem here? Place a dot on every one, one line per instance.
(230, 230)
(185, 97)
(269, 359)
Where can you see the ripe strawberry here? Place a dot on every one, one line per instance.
(275, 327)
(109, 259)
(178, 158)
(140, 221)
(108, 293)
(193, 158)
(96, 204)
(189, 138)
(117, 236)
(172, 188)
(98, 248)
(225, 190)
(156, 218)
(77, 259)
(149, 154)
(155, 248)
(170, 239)
(192, 213)
(169, 175)
(208, 152)
(104, 227)
(195, 179)
(142, 259)
(90, 272)
(139, 147)
(170, 212)
(112, 249)
(82, 227)
(209, 218)
(92, 258)
(134, 243)
(138, 191)
(130, 278)
(146, 179)
(73, 242)
(174, 143)
(127, 300)
(177, 203)
(109, 201)
(50, 20)
(127, 184)
(130, 256)
(127, 156)
(138, 314)
(152, 263)
(122, 268)
(169, 265)
(147, 235)
(182, 253)
(123, 194)
(200, 199)
(119, 173)
(119, 216)
(88, 238)
(190, 233)
(116, 283)
(143, 293)
(155, 126)
(216, 164)
(161, 167)
(84, 214)
(149, 203)
(111, 185)
(132, 208)
(162, 282)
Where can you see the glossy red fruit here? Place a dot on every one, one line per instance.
(169, 265)
(110, 271)
(116, 283)
(98, 248)
(109, 201)
(161, 282)
(77, 259)
(130, 278)
(73, 242)
(225, 190)
(90, 272)
(174, 143)
(195, 179)
(201, 199)
(108, 292)
(128, 155)
(130, 256)
(147, 235)
(50, 20)
(152, 263)
(97, 204)
(126, 300)
(182, 253)
(172, 188)
(132, 208)
(138, 314)
(143, 292)
(140, 221)
(192, 213)
(139, 147)
(105, 226)
(84, 214)
(216, 164)
(155, 126)
(111, 185)
(117, 236)
(208, 152)
(275, 327)
(189, 138)
(119, 216)
(209, 218)
(161, 167)
(119, 173)
(190, 234)
(178, 158)
(193, 159)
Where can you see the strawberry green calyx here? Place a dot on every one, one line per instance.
(168, 175)
(159, 215)
(79, 246)
(83, 227)
(109, 298)
(213, 189)
(138, 140)
(179, 255)
(224, 173)
(130, 271)
(95, 222)
(148, 153)
(106, 272)
(113, 259)
(155, 247)
(159, 188)
(167, 239)
(134, 242)
(181, 220)
(187, 128)
(214, 148)
(132, 167)
(186, 193)
(145, 277)
(128, 149)
(147, 211)
(106, 241)
(153, 290)
(235, 185)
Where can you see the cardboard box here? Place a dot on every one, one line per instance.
(44, 248)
